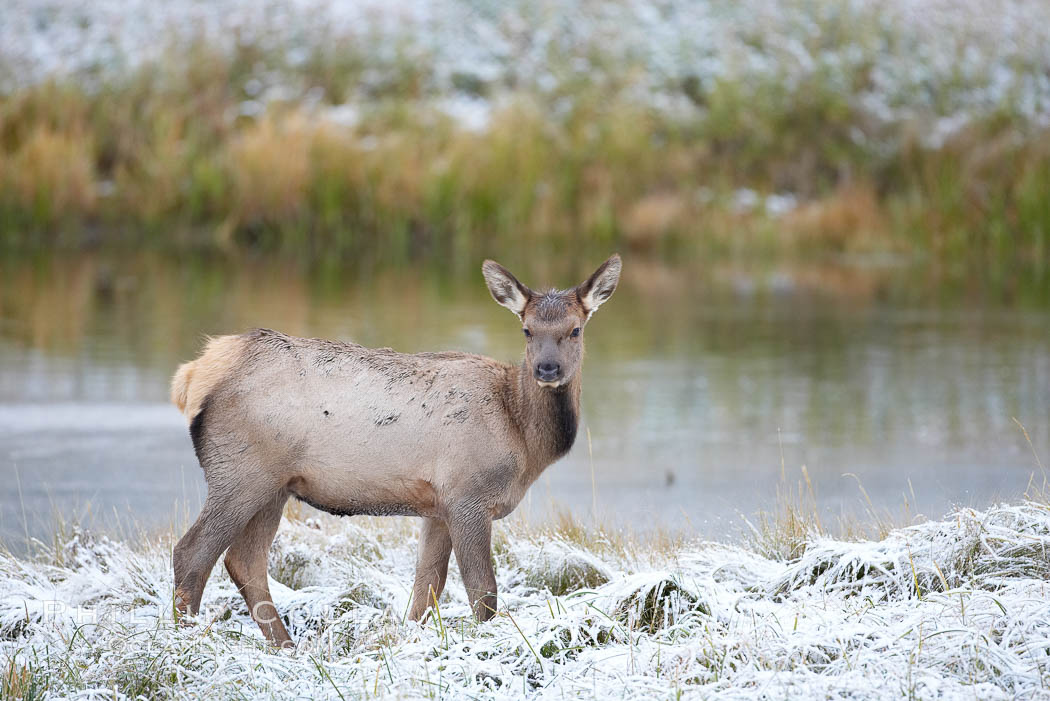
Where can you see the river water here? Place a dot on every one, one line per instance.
(706, 387)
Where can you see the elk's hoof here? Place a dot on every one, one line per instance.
(182, 605)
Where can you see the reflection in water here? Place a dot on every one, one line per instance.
(699, 383)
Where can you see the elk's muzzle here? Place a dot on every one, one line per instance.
(548, 373)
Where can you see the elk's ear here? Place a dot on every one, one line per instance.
(505, 288)
(599, 287)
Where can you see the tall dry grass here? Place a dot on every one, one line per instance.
(169, 156)
(50, 177)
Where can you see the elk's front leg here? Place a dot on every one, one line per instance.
(471, 533)
(435, 546)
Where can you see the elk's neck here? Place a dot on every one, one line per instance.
(548, 418)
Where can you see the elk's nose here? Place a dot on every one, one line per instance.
(548, 372)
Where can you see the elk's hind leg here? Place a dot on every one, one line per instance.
(246, 561)
(227, 510)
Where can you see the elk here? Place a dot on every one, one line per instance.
(453, 438)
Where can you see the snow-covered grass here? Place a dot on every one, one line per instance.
(946, 58)
(955, 608)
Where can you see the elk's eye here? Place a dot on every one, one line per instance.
(528, 334)
(575, 332)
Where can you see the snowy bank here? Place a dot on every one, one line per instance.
(940, 60)
(956, 608)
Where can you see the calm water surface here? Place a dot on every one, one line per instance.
(704, 386)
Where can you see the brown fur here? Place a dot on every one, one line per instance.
(454, 438)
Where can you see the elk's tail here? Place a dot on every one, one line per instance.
(195, 380)
(180, 386)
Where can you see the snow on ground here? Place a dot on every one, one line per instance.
(957, 608)
(944, 61)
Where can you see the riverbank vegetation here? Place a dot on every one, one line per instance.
(814, 128)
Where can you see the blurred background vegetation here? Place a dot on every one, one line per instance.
(790, 129)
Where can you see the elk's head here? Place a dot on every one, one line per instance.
(553, 321)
